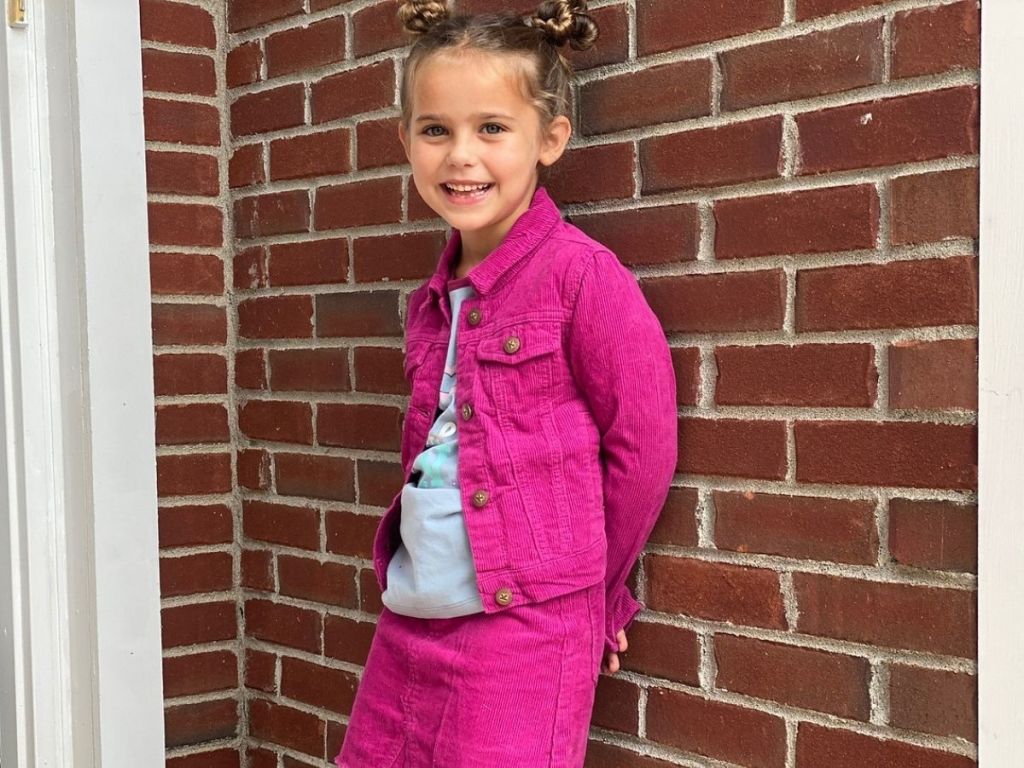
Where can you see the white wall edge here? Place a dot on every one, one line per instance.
(1001, 388)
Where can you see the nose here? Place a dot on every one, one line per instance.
(461, 151)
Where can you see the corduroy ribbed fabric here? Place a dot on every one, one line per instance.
(567, 409)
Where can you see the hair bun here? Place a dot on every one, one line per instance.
(565, 21)
(417, 16)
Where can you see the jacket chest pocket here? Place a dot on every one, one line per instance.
(517, 365)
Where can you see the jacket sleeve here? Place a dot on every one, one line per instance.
(621, 362)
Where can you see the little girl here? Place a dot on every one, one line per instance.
(540, 438)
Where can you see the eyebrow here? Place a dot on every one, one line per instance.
(480, 116)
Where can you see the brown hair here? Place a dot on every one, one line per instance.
(531, 41)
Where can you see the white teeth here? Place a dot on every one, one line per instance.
(466, 188)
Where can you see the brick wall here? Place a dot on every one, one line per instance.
(795, 184)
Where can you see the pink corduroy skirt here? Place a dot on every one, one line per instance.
(512, 689)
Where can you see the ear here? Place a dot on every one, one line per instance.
(404, 138)
(554, 139)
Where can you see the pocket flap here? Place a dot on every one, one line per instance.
(516, 344)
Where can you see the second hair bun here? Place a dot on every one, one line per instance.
(565, 21)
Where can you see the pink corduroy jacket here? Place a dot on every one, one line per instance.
(566, 402)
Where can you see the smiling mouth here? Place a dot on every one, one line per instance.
(466, 191)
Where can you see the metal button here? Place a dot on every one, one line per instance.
(503, 596)
(512, 344)
(474, 317)
(480, 498)
(467, 411)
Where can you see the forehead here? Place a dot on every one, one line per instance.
(467, 84)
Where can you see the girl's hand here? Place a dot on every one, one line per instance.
(611, 660)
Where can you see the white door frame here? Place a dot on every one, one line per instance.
(80, 650)
(1001, 388)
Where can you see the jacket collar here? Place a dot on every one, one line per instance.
(528, 231)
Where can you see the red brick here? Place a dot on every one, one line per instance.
(376, 28)
(380, 370)
(613, 44)
(195, 525)
(309, 263)
(200, 673)
(192, 423)
(934, 374)
(740, 735)
(903, 129)
(328, 583)
(807, 9)
(358, 314)
(318, 686)
(686, 366)
(319, 477)
(369, 592)
(802, 375)
(199, 722)
(244, 14)
(191, 574)
(243, 64)
(662, 650)
(887, 453)
(663, 25)
(221, 758)
(260, 672)
(617, 705)
(359, 204)
(602, 754)
(182, 173)
(928, 207)
(359, 425)
(708, 157)
(733, 447)
(189, 324)
(812, 221)
(641, 236)
(800, 677)
(177, 23)
(276, 317)
(246, 166)
(351, 534)
(171, 72)
(249, 267)
(911, 293)
(254, 469)
(258, 570)
(677, 522)
(934, 534)
(349, 93)
(190, 374)
(306, 48)
(346, 639)
(193, 474)
(592, 174)
(281, 524)
(377, 143)
(286, 727)
(180, 122)
(316, 154)
(819, 63)
(199, 274)
(277, 213)
(715, 591)
(185, 224)
(309, 370)
(251, 369)
(378, 481)
(737, 301)
(906, 616)
(268, 110)
(283, 624)
(277, 420)
(799, 527)
(198, 623)
(934, 701)
(408, 256)
(817, 746)
(928, 41)
(662, 94)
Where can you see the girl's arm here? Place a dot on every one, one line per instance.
(623, 366)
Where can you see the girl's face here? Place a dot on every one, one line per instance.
(471, 126)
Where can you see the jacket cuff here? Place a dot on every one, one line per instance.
(620, 610)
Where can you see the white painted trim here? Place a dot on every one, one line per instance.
(80, 646)
(1001, 388)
